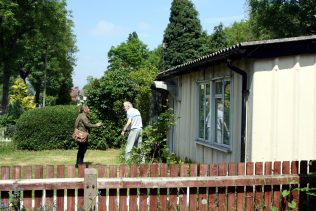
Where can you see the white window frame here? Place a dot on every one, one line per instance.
(206, 96)
(211, 141)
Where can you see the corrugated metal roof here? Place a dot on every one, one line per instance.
(249, 49)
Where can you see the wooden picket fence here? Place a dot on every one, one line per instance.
(232, 186)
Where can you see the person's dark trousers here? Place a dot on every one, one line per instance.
(80, 154)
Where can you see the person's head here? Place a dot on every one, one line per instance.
(84, 108)
(127, 105)
(220, 107)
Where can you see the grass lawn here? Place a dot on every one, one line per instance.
(11, 157)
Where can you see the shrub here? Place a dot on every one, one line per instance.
(51, 128)
(107, 136)
(46, 128)
(154, 142)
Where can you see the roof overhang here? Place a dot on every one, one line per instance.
(255, 49)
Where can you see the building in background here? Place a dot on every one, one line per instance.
(255, 101)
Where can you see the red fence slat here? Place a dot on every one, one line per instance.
(284, 201)
(61, 192)
(80, 192)
(193, 191)
(258, 197)
(38, 193)
(163, 205)
(143, 172)
(222, 203)
(295, 193)
(173, 192)
(27, 194)
(102, 192)
(276, 188)
(49, 194)
(231, 199)
(249, 189)
(212, 196)
(202, 202)
(113, 192)
(123, 191)
(5, 174)
(133, 191)
(153, 200)
(241, 189)
(71, 173)
(184, 172)
(268, 188)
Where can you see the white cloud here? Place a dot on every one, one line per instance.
(104, 28)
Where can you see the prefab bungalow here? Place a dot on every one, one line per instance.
(254, 101)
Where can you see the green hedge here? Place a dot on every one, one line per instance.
(46, 128)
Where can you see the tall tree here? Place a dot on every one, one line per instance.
(132, 68)
(238, 32)
(17, 17)
(30, 30)
(130, 54)
(218, 39)
(282, 18)
(183, 38)
(54, 44)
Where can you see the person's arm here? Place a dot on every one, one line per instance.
(87, 123)
(129, 121)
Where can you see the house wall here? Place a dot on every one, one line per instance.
(282, 109)
(182, 138)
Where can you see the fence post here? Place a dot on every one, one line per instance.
(90, 189)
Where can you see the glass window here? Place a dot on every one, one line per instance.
(222, 112)
(204, 108)
(214, 112)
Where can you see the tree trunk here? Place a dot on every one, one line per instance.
(5, 86)
(37, 96)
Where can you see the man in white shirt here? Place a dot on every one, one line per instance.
(134, 125)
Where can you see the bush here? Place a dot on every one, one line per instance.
(154, 142)
(46, 128)
(107, 136)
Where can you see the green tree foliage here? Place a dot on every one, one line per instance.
(238, 32)
(19, 101)
(30, 30)
(218, 39)
(51, 64)
(183, 38)
(130, 55)
(154, 145)
(16, 19)
(19, 92)
(131, 70)
(282, 18)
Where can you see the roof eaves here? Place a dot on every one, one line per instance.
(198, 61)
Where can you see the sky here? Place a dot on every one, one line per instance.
(102, 24)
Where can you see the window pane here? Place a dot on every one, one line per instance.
(201, 110)
(226, 132)
(218, 87)
(208, 120)
(219, 120)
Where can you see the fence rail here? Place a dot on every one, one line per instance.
(232, 186)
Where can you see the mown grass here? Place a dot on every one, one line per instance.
(9, 156)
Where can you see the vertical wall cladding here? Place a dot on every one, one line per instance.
(185, 130)
(283, 113)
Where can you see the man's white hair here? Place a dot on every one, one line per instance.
(128, 104)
